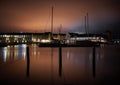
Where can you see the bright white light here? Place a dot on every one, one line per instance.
(103, 41)
(16, 36)
(4, 35)
(24, 45)
(5, 54)
(34, 40)
(8, 46)
(7, 36)
(15, 46)
(45, 41)
(24, 52)
(38, 40)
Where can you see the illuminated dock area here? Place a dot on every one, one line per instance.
(49, 39)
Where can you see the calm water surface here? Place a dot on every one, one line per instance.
(59, 66)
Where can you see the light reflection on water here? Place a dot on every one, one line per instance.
(73, 66)
(11, 53)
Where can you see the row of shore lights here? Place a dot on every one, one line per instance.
(7, 40)
(16, 40)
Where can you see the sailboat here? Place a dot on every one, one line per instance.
(49, 41)
(47, 38)
(87, 42)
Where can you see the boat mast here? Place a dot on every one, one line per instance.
(52, 20)
(87, 24)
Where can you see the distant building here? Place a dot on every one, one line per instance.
(48, 37)
(75, 37)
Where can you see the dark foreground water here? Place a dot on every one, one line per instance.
(59, 66)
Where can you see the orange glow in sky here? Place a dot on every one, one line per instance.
(35, 15)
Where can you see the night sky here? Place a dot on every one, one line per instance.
(35, 15)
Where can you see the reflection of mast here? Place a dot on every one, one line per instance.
(52, 48)
(28, 62)
(52, 66)
(60, 61)
(93, 62)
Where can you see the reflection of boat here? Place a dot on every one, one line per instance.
(86, 43)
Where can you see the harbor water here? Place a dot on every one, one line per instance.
(33, 65)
